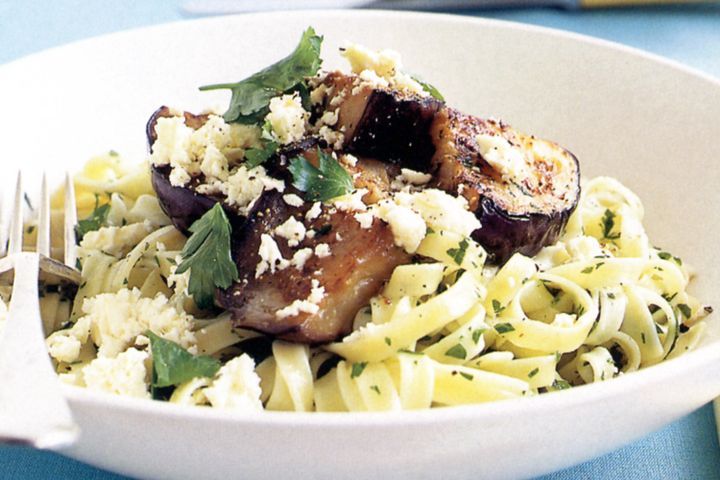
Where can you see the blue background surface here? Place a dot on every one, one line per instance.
(686, 449)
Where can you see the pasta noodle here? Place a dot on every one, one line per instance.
(445, 331)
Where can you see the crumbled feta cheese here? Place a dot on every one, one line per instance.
(440, 210)
(245, 186)
(408, 227)
(322, 250)
(116, 319)
(414, 177)
(330, 118)
(372, 79)
(236, 386)
(365, 219)
(123, 375)
(332, 138)
(209, 150)
(314, 211)
(300, 257)
(116, 241)
(384, 63)
(351, 201)
(380, 68)
(317, 95)
(173, 143)
(502, 156)
(64, 345)
(309, 305)
(293, 200)
(292, 230)
(349, 159)
(179, 177)
(287, 118)
(270, 257)
(214, 164)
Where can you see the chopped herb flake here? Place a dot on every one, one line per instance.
(357, 369)
(457, 254)
(497, 306)
(685, 310)
(466, 376)
(533, 372)
(504, 328)
(607, 224)
(457, 351)
(94, 221)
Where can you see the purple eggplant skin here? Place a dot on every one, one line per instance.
(183, 205)
(502, 234)
(516, 214)
(381, 123)
(395, 127)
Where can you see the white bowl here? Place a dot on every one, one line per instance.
(644, 120)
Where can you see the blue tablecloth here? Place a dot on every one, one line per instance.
(686, 449)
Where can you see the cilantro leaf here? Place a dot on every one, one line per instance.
(251, 97)
(322, 183)
(94, 221)
(458, 254)
(207, 255)
(258, 156)
(434, 92)
(173, 365)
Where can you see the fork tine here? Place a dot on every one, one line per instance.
(16, 220)
(43, 233)
(70, 222)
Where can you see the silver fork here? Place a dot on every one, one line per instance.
(33, 410)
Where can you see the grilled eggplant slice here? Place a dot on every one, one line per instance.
(381, 123)
(360, 261)
(522, 189)
(183, 205)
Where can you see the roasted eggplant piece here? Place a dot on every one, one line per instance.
(360, 261)
(381, 123)
(522, 189)
(183, 205)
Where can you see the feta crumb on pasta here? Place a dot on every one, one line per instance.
(123, 375)
(116, 319)
(236, 386)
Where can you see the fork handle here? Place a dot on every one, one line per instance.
(33, 410)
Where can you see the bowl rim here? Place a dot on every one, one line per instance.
(596, 392)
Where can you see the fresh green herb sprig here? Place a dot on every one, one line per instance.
(258, 156)
(173, 365)
(94, 221)
(328, 180)
(207, 255)
(434, 92)
(251, 97)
